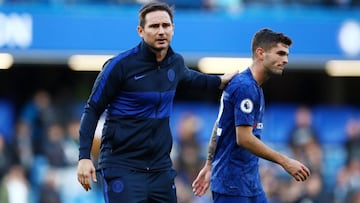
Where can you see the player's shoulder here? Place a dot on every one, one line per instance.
(125, 57)
(242, 84)
(177, 56)
(243, 80)
(173, 56)
(128, 54)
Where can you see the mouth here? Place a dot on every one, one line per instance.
(161, 40)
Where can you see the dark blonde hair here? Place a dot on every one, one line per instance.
(154, 6)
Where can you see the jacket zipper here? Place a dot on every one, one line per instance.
(160, 98)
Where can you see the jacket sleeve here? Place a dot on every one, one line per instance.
(195, 79)
(104, 89)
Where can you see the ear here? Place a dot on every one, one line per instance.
(140, 31)
(259, 52)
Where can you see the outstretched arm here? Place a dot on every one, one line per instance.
(202, 182)
(225, 79)
(246, 139)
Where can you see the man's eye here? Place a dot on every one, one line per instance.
(282, 53)
(166, 25)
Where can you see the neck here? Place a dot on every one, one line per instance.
(258, 72)
(160, 54)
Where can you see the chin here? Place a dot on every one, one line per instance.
(164, 46)
(277, 72)
(160, 48)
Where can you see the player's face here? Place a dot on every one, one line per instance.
(157, 31)
(276, 58)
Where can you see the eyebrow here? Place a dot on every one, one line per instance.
(158, 24)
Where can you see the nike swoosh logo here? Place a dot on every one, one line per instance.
(138, 77)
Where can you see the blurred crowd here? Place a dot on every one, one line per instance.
(204, 4)
(302, 143)
(38, 162)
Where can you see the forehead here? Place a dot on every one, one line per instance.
(157, 17)
(280, 47)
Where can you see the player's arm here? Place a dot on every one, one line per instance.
(202, 181)
(246, 139)
(212, 145)
(202, 81)
(104, 88)
(225, 79)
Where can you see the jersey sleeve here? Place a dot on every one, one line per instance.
(245, 102)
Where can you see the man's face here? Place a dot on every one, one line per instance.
(157, 31)
(276, 58)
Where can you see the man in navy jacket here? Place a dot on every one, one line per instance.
(136, 90)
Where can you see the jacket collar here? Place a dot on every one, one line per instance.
(150, 55)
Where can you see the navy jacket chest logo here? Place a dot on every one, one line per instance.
(171, 75)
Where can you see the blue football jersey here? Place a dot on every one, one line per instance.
(235, 170)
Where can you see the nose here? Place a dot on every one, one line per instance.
(286, 60)
(161, 30)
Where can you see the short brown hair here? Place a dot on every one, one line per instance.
(154, 6)
(266, 39)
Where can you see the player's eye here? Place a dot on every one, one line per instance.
(154, 25)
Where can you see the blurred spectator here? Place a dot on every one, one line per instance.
(303, 140)
(17, 185)
(186, 134)
(188, 157)
(352, 143)
(347, 188)
(272, 180)
(8, 157)
(39, 113)
(61, 151)
(348, 182)
(23, 145)
(71, 144)
(55, 146)
(311, 191)
(304, 147)
(48, 189)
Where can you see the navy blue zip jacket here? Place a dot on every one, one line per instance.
(137, 93)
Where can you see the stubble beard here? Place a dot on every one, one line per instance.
(159, 49)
